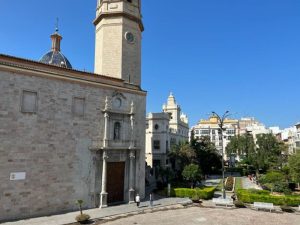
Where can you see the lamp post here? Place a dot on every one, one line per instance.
(221, 126)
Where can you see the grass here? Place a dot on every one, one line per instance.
(220, 186)
(238, 183)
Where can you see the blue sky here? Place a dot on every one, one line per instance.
(214, 55)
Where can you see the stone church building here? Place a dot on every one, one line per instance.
(67, 134)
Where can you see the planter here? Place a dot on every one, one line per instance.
(239, 204)
(196, 201)
(83, 219)
(287, 209)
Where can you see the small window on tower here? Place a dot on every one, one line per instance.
(129, 1)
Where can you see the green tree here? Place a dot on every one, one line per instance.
(191, 173)
(294, 167)
(181, 155)
(207, 157)
(241, 145)
(267, 154)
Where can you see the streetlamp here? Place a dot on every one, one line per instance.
(221, 124)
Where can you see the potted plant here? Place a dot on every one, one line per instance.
(239, 204)
(196, 198)
(82, 218)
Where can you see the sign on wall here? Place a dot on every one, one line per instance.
(18, 176)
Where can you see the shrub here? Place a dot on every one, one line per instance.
(272, 177)
(250, 196)
(202, 193)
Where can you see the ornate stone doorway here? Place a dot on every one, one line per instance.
(115, 181)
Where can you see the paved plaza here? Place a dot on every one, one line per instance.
(209, 216)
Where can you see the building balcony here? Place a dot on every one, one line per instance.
(113, 144)
(297, 139)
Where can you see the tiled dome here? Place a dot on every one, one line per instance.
(56, 58)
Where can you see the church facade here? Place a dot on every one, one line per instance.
(67, 134)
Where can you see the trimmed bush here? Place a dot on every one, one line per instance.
(202, 193)
(250, 196)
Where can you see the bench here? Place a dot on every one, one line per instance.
(263, 205)
(223, 201)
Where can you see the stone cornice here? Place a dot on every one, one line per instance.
(33, 68)
(119, 14)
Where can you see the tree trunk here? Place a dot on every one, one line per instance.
(257, 173)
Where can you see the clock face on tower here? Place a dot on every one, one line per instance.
(129, 37)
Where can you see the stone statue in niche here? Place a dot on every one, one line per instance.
(117, 131)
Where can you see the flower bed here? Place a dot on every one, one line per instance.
(250, 196)
(229, 184)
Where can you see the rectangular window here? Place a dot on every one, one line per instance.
(156, 144)
(173, 141)
(29, 102)
(78, 106)
(204, 132)
(230, 131)
(196, 131)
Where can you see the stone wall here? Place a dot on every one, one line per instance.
(52, 145)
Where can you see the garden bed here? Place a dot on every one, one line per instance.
(251, 196)
(229, 184)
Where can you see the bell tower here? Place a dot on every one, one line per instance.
(119, 30)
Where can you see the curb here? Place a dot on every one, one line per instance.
(105, 219)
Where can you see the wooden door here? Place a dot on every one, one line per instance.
(115, 181)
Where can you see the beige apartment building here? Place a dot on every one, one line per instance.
(233, 127)
(210, 128)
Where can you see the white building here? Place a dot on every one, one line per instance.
(297, 138)
(291, 137)
(164, 130)
(257, 129)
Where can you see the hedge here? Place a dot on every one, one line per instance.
(203, 193)
(250, 196)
